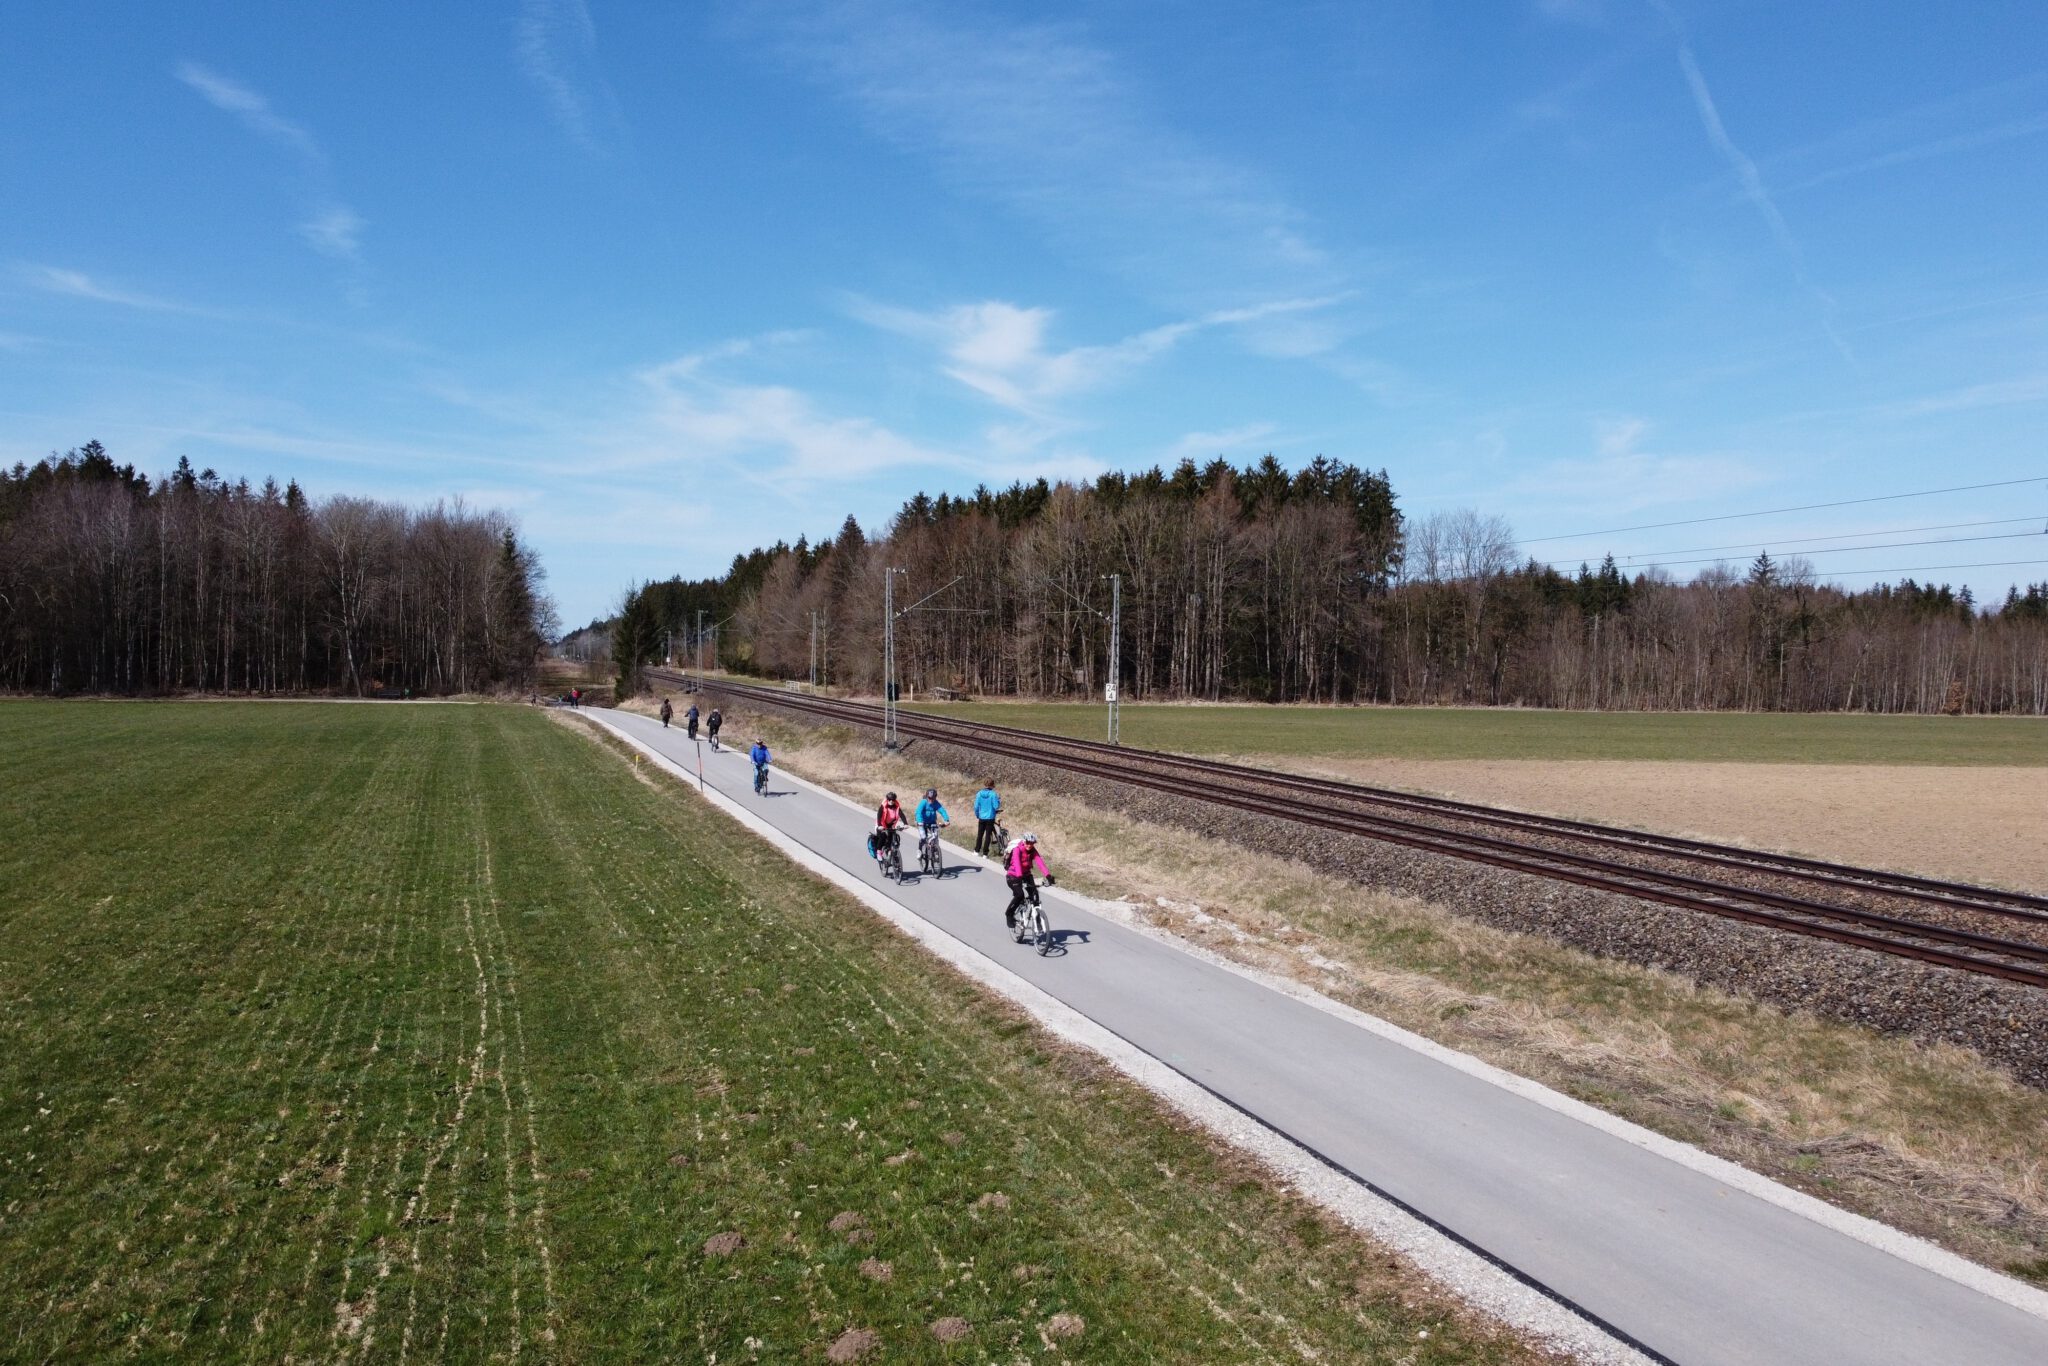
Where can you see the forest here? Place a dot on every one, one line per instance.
(112, 583)
(1312, 586)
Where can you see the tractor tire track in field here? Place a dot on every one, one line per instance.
(332, 936)
(362, 1019)
(280, 1053)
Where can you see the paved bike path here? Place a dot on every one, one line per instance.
(1686, 1265)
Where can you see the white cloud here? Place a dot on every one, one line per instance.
(556, 50)
(1993, 394)
(999, 349)
(1746, 174)
(330, 227)
(78, 285)
(335, 231)
(1230, 443)
(252, 109)
(1619, 476)
(1036, 118)
(1751, 181)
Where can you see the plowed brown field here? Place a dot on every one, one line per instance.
(1976, 824)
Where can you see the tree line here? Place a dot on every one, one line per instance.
(112, 582)
(1257, 583)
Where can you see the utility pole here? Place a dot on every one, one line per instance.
(700, 645)
(814, 647)
(1116, 619)
(889, 657)
(890, 683)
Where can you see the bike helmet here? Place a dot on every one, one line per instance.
(932, 792)
(890, 798)
(1031, 839)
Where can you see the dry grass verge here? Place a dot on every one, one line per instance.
(1930, 1139)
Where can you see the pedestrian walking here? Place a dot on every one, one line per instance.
(666, 712)
(986, 805)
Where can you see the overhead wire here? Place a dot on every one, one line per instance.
(1801, 552)
(1845, 536)
(1924, 568)
(1773, 512)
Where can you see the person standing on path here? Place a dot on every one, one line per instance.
(986, 805)
(666, 712)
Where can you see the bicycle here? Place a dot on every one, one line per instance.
(760, 779)
(1032, 927)
(931, 855)
(892, 859)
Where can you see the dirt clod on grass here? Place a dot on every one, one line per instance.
(1025, 1271)
(995, 1200)
(898, 1159)
(951, 1329)
(724, 1244)
(1060, 1327)
(953, 1138)
(349, 1316)
(853, 1344)
(845, 1220)
(875, 1269)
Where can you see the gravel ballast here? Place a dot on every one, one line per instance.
(2006, 1023)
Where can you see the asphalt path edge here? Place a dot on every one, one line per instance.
(1908, 1248)
(1485, 1282)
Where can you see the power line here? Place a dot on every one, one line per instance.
(1845, 536)
(1848, 549)
(1924, 568)
(1773, 512)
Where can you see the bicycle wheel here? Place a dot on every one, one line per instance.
(1041, 931)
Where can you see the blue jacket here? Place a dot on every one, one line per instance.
(987, 803)
(759, 754)
(930, 812)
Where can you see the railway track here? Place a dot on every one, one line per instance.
(1943, 923)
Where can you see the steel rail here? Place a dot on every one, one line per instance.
(1667, 888)
(1988, 901)
(1955, 895)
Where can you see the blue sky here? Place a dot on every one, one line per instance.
(669, 281)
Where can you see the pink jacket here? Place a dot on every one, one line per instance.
(1022, 857)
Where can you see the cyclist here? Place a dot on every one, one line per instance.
(931, 814)
(1020, 861)
(666, 712)
(759, 754)
(690, 720)
(711, 724)
(986, 805)
(889, 818)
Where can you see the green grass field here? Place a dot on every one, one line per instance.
(1501, 733)
(434, 1032)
